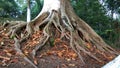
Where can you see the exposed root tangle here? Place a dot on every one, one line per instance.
(80, 36)
(17, 48)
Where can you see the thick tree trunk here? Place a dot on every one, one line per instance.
(60, 15)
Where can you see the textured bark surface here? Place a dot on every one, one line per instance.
(59, 15)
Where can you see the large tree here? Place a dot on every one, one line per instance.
(59, 15)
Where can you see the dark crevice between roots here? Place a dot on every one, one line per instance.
(21, 30)
(42, 26)
(80, 35)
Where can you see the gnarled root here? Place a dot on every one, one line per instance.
(17, 48)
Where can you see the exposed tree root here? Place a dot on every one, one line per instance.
(77, 36)
(17, 48)
(69, 25)
(16, 28)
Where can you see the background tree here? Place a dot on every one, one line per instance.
(28, 11)
(36, 6)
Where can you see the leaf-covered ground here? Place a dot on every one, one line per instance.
(55, 54)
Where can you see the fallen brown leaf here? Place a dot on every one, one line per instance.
(71, 65)
(4, 58)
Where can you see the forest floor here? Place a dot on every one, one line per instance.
(57, 54)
